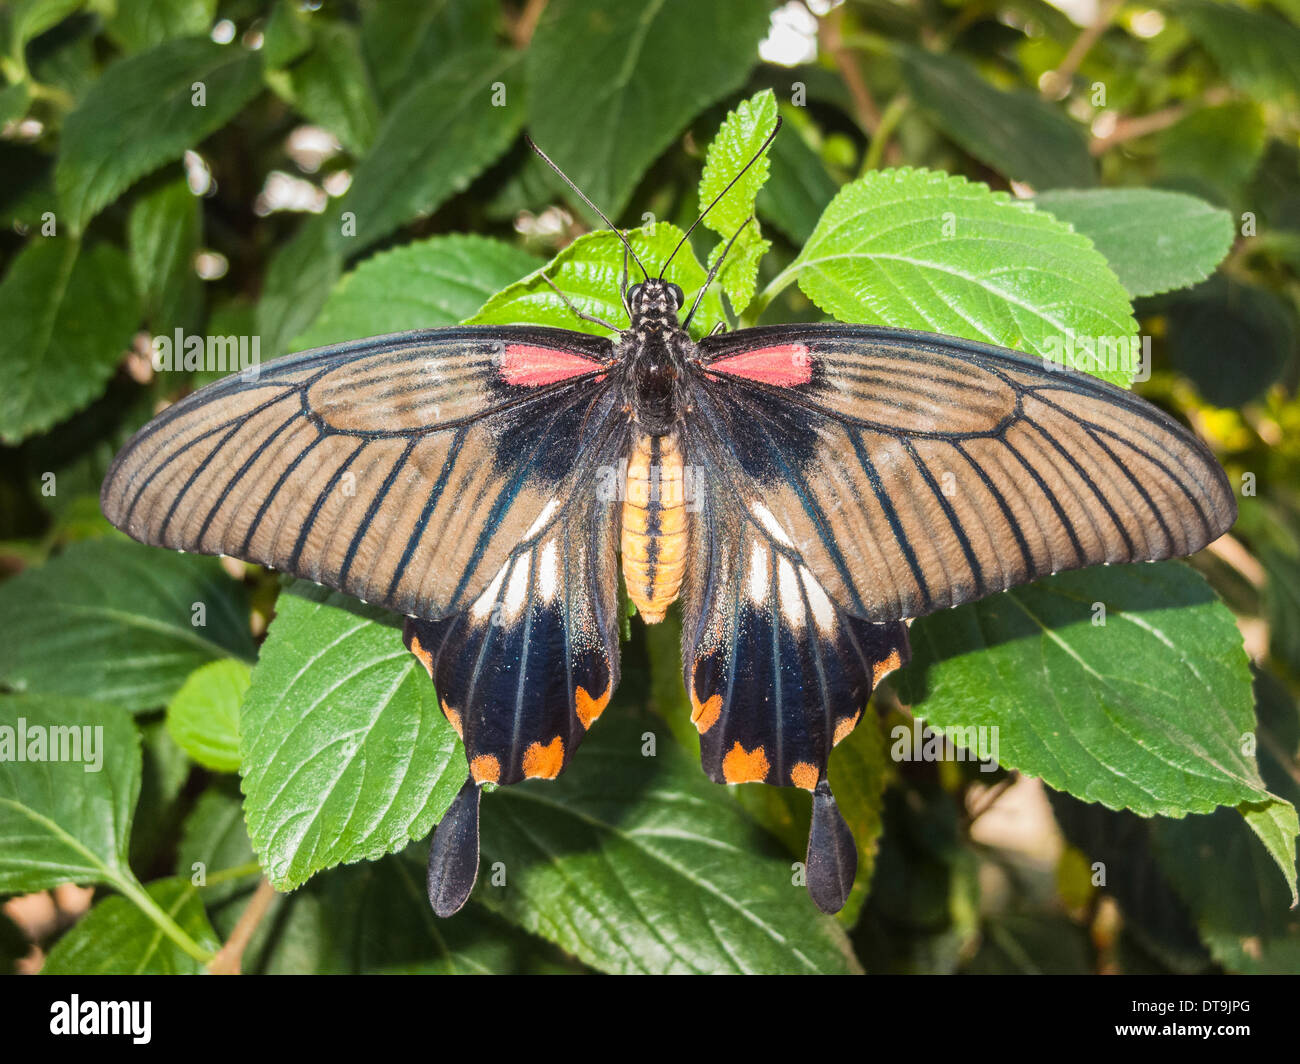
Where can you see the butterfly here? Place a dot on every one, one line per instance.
(803, 490)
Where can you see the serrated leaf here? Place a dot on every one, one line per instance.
(640, 864)
(163, 233)
(66, 317)
(203, 716)
(1155, 241)
(611, 84)
(139, 24)
(141, 115)
(741, 135)
(1016, 133)
(331, 87)
(1148, 711)
(64, 820)
(1275, 824)
(116, 938)
(113, 621)
(424, 285)
(922, 250)
(589, 272)
(344, 752)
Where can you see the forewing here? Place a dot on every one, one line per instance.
(914, 472)
(402, 469)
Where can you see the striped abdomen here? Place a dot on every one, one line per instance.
(654, 525)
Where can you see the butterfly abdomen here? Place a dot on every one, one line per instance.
(654, 524)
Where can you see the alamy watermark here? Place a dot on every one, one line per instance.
(953, 743)
(1095, 354)
(59, 742)
(207, 354)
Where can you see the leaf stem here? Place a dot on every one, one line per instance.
(142, 900)
(228, 959)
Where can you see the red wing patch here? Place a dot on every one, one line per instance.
(533, 366)
(783, 366)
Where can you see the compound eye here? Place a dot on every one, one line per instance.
(676, 294)
(634, 293)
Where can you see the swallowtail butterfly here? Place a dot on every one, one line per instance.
(784, 482)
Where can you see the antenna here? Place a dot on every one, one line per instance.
(762, 148)
(583, 196)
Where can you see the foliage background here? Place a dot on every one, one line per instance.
(129, 212)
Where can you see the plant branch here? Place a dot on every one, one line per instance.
(1057, 81)
(231, 955)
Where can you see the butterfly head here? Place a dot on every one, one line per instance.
(655, 302)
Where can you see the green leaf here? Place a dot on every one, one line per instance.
(1155, 241)
(298, 281)
(66, 317)
(1232, 339)
(401, 36)
(741, 135)
(163, 233)
(164, 770)
(611, 84)
(13, 102)
(214, 843)
(424, 285)
(31, 18)
(203, 716)
(1016, 133)
(142, 115)
(1276, 825)
(1149, 711)
(116, 938)
(1215, 149)
(287, 35)
(345, 753)
(442, 132)
(922, 250)
(331, 87)
(65, 821)
(140, 24)
(1256, 50)
(589, 272)
(432, 143)
(640, 864)
(118, 622)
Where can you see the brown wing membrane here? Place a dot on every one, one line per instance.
(914, 472)
(402, 470)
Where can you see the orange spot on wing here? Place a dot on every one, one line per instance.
(844, 728)
(422, 655)
(588, 708)
(485, 769)
(704, 715)
(884, 668)
(453, 718)
(544, 762)
(804, 775)
(745, 766)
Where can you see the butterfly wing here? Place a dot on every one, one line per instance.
(914, 472)
(403, 469)
(776, 672)
(526, 670)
